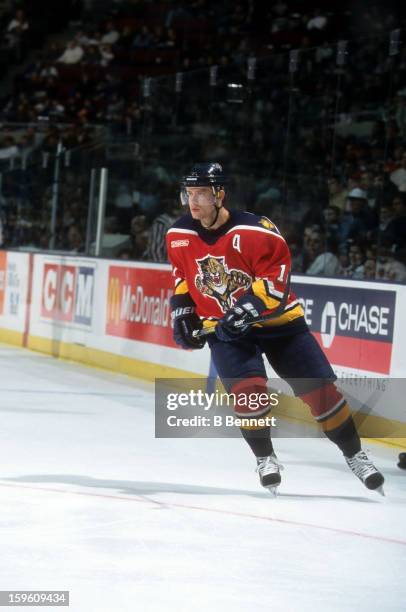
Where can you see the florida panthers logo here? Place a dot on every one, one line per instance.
(218, 282)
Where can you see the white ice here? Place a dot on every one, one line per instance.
(92, 503)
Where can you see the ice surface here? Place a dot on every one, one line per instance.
(92, 503)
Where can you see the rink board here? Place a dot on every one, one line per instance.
(115, 315)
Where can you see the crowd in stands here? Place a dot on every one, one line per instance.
(355, 242)
(320, 149)
(96, 68)
(24, 26)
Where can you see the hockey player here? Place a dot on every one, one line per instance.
(231, 267)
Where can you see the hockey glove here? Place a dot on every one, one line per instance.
(185, 322)
(236, 322)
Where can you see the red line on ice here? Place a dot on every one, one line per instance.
(146, 500)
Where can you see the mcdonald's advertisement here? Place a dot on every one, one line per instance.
(138, 304)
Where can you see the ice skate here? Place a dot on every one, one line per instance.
(269, 470)
(365, 470)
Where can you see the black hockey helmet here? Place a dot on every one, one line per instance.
(208, 174)
(201, 175)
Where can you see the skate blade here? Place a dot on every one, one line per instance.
(273, 490)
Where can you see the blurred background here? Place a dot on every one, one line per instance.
(104, 105)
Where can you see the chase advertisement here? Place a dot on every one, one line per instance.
(353, 326)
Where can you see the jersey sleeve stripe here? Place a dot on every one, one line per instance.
(259, 289)
(292, 305)
(270, 288)
(181, 287)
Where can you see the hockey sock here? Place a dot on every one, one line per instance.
(346, 438)
(259, 440)
(331, 410)
(246, 405)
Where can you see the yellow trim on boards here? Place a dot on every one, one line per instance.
(289, 407)
(105, 360)
(392, 432)
(9, 336)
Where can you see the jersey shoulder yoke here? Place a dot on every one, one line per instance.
(250, 220)
(185, 222)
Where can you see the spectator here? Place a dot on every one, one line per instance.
(178, 11)
(16, 30)
(331, 223)
(49, 70)
(73, 53)
(324, 53)
(400, 112)
(308, 234)
(126, 37)
(296, 250)
(106, 55)
(125, 254)
(139, 236)
(344, 260)
(384, 257)
(156, 249)
(398, 177)
(356, 261)
(398, 225)
(323, 262)
(92, 55)
(75, 242)
(317, 22)
(359, 221)
(95, 39)
(394, 270)
(19, 23)
(337, 194)
(386, 227)
(111, 36)
(170, 38)
(9, 149)
(143, 38)
(370, 269)
(84, 39)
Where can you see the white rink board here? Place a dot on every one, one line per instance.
(90, 331)
(14, 273)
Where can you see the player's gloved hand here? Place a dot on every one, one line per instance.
(236, 321)
(185, 322)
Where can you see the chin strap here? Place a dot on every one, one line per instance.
(215, 217)
(218, 208)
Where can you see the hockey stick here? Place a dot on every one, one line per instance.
(206, 331)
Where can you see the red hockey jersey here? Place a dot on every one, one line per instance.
(216, 267)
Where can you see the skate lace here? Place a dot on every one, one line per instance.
(361, 465)
(268, 465)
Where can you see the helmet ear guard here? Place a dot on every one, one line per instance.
(184, 196)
